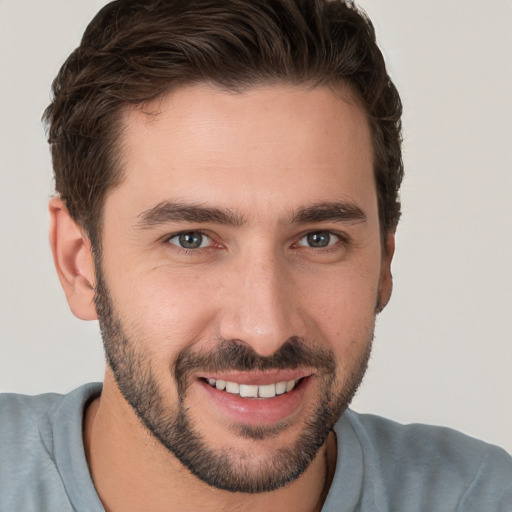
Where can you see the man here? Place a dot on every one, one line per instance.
(227, 179)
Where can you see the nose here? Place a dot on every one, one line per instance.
(260, 307)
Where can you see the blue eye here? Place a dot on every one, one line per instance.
(319, 239)
(190, 240)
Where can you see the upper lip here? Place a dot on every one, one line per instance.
(258, 378)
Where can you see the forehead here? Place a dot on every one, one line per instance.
(266, 144)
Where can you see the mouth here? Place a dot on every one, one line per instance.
(258, 399)
(253, 390)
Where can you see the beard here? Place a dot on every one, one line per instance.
(174, 428)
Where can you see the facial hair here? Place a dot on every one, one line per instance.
(174, 428)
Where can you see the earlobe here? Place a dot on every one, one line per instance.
(386, 278)
(73, 260)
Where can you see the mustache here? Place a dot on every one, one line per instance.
(235, 355)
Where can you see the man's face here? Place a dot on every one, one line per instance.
(241, 271)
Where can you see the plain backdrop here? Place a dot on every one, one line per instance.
(443, 350)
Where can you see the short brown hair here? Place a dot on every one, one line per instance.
(136, 50)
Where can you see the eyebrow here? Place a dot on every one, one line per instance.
(331, 211)
(168, 211)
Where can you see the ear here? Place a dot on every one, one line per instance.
(73, 260)
(386, 279)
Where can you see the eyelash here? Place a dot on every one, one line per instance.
(184, 249)
(342, 240)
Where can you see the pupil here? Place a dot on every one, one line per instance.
(191, 240)
(319, 239)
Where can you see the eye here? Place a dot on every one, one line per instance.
(190, 240)
(319, 239)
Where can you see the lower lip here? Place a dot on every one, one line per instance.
(257, 411)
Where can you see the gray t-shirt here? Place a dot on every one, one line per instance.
(381, 466)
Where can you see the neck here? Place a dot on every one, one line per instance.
(132, 471)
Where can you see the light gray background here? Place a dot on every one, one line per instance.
(443, 350)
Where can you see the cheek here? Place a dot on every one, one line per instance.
(341, 308)
(163, 311)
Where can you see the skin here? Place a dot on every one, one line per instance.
(263, 155)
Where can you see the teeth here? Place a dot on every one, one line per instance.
(290, 385)
(248, 391)
(267, 391)
(252, 391)
(280, 388)
(233, 387)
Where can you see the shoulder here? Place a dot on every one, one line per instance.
(19, 413)
(423, 441)
(30, 441)
(431, 468)
(25, 462)
(19, 426)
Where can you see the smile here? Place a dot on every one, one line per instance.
(252, 390)
(258, 398)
